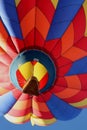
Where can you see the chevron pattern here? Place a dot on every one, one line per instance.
(48, 26)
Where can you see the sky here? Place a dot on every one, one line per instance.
(78, 123)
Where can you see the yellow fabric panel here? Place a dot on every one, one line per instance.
(3, 91)
(17, 120)
(2, 43)
(26, 70)
(21, 105)
(41, 122)
(39, 71)
(80, 104)
(17, 2)
(54, 2)
(85, 9)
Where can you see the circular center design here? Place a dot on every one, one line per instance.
(31, 74)
(33, 71)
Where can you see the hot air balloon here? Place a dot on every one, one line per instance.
(43, 60)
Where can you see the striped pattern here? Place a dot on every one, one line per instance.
(21, 110)
(41, 122)
(32, 14)
(51, 26)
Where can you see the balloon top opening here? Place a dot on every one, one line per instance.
(33, 70)
(32, 75)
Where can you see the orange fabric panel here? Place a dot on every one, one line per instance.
(73, 87)
(75, 53)
(42, 23)
(73, 82)
(28, 22)
(67, 93)
(68, 38)
(1, 51)
(3, 33)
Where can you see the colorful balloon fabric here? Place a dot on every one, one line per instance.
(43, 60)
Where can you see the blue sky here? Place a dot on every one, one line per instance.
(79, 123)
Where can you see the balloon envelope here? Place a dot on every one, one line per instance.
(43, 40)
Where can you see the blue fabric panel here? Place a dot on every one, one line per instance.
(63, 16)
(69, 2)
(56, 30)
(13, 28)
(8, 11)
(61, 110)
(10, 19)
(11, 2)
(78, 67)
(6, 102)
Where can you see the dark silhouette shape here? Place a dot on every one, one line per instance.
(31, 86)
